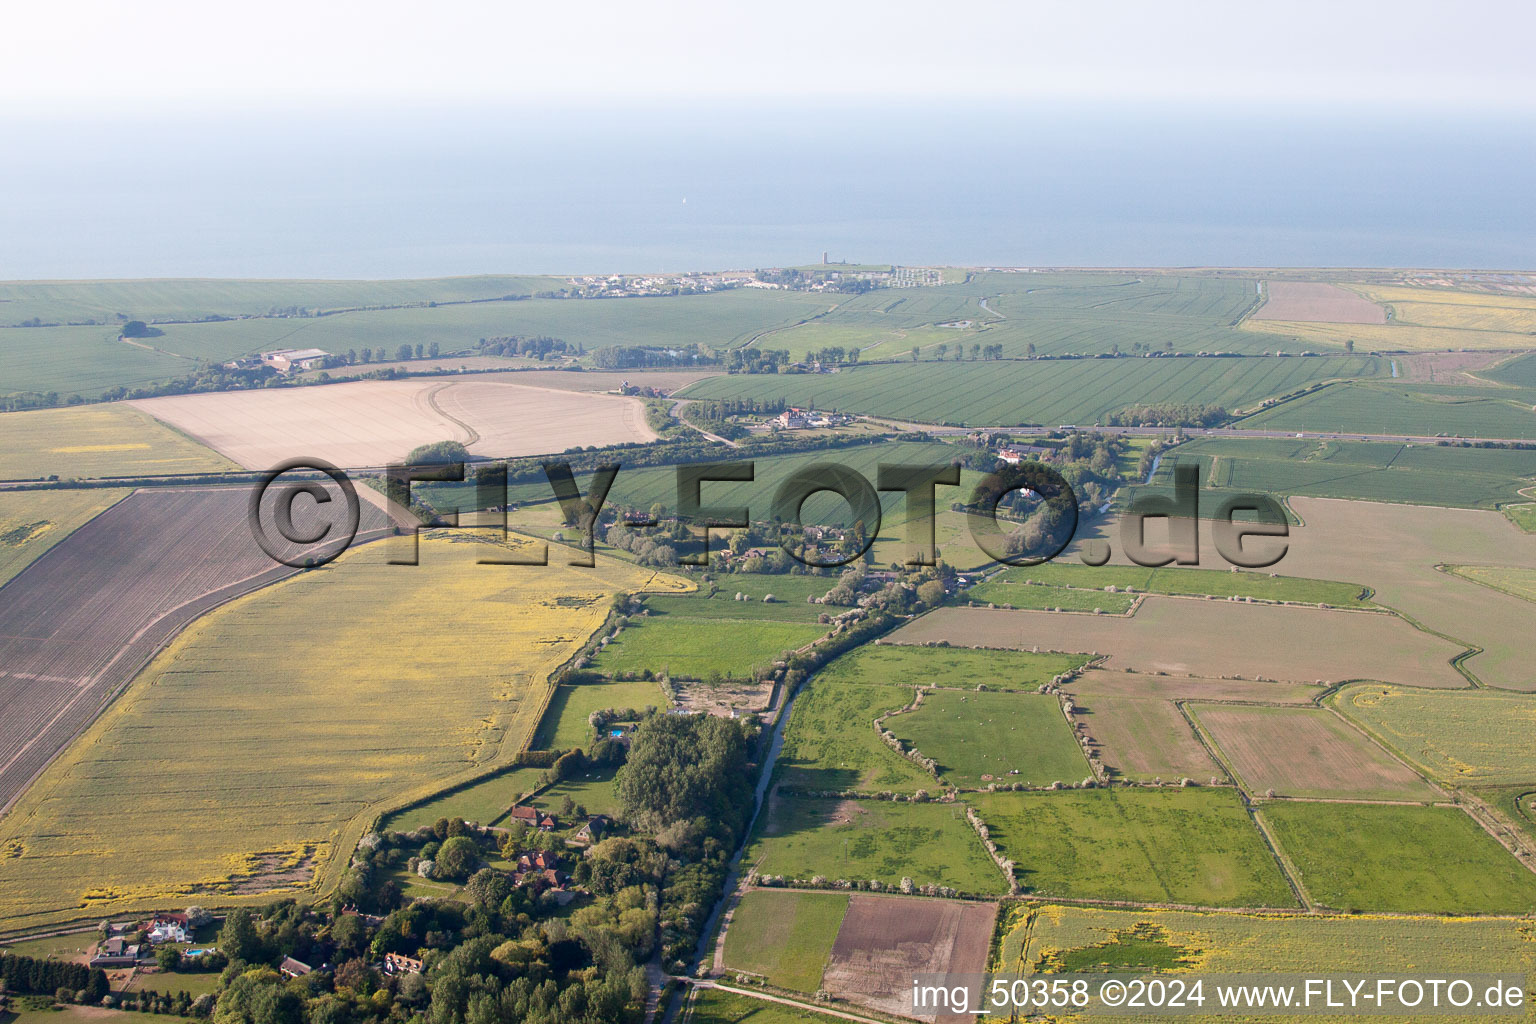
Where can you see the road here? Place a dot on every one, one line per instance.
(796, 1003)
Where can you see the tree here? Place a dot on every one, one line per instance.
(1030, 350)
(437, 453)
(1349, 345)
(167, 958)
(914, 353)
(685, 766)
(238, 939)
(457, 857)
(135, 329)
(403, 353)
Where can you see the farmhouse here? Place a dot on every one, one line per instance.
(535, 818)
(117, 952)
(399, 963)
(286, 360)
(539, 860)
(170, 928)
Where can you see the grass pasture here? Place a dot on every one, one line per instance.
(881, 840)
(31, 522)
(1021, 393)
(224, 820)
(1191, 846)
(716, 1006)
(1478, 738)
(1421, 410)
(1522, 515)
(692, 648)
(1060, 599)
(831, 742)
(1359, 470)
(565, 725)
(984, 737)
(784, 937)
(1400, 858)
(98, 441)
(1177, 581)
(483, 801)
(948, 666)
(1519, 583)
(789, 603)
(1307, 752)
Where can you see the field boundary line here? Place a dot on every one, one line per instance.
(813, 1007)
(1287, 870)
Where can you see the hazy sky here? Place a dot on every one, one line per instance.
(155, 54)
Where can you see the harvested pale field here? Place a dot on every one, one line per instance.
(1388, 337)
(82, 619)
(1449, 367)
(1096, 682)
(886, 940)
(1311, 302)
(1144, 739)
(1394, 549)
(1467, 311)
(1212, 638)
(1307, 752)
(249, 756)
(371, 423)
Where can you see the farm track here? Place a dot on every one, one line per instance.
(79, 623)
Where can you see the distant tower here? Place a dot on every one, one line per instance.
(823, 259)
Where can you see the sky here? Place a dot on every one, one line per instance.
(100, 56)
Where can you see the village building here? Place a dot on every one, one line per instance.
(292, 968)
(399, 963)
(117, 952)
(534, 818)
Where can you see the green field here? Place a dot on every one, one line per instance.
(1066, 599)
(1520, 371)
(642, 487)
(784, 937)
(1421, 410)
(484, 801)
(1364, 470)
(880, 840)
(565, 725)
(979, 738)
(1522, 515)
(695, 648)
(98, 441)
(1191, 846)
(903, 665)
(1400, 858)
(1038, 392)
(199, 299)
(1515, 582)
(1178, 581)
(712, 1006)
(31, 522)
(1477, 737)
(592, 789)
(831, 744)
(1517, 803)
(789, 599)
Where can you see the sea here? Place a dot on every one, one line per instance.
(637, 185)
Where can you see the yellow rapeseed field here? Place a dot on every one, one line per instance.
(251, 754)
(97, 441)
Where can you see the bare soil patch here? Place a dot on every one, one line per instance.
(1308, 752)
(884, 941)
(1310, 302)
(1096, 682)
(1449, 367)
(1145, 740)
(371, 423)
(1213, 638)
